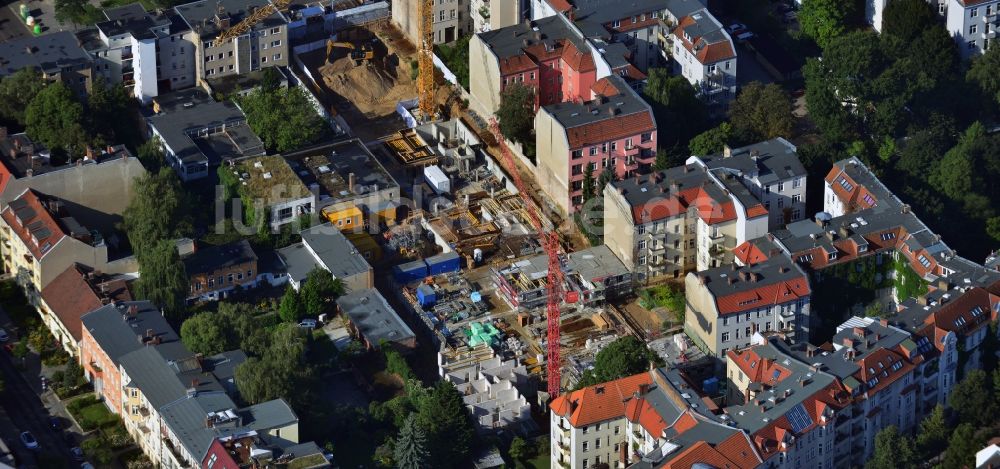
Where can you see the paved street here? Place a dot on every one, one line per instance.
(22, 409)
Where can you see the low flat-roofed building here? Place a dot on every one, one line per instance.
(57, 56)
(324, 246)
(268, 182)
(197, 132)
(345, 175)
(372, 320)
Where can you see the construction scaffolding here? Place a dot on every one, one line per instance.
(410, 149)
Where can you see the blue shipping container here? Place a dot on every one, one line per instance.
(444, 263)
(410, 272)
(710, 386)
(425, 295)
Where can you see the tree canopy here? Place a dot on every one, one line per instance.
(159, 210)
(676, 107)
(984, 72)
(625, 356)
(292, 308)
(907, 19)
(162, 279)
(932, 437)
(283, 118)
(972, 401)
(279, 372)
(410, 450)
(823, 20)
(113, 114)
(16, 92)
(517, 112)
(450, 433)
(892, 451)
(962, 447)
(319, 289)
(712, 140)
(55, 119)
(203, 333)
(762, 112)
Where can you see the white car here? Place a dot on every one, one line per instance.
(4, 336)
(736, 28)
(744, 36)
(29, 441)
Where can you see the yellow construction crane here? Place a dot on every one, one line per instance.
(253, 18)
(360, 53)
(425, 60)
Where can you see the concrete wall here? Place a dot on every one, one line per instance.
(552, 156)
(484, 77)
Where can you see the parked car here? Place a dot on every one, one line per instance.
(29, 441)
(744, 36)
(308, 324)
(4, 336)
(86, 465)
(736, 28)
(77, 453)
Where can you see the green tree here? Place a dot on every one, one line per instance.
(151, 155)
(204, 333)
(17, 91)
(20, 349)
(319, 288)
(625, 356)
(958, 174)
(112, 113)
(55, 119)
(969, 400)
(410, 451)
(762, 112)
(962, 447)
(520, 450)
(933, 435)
(824, 20)
(983, 72)
(516, 113)
(712, 140)
(163, 280)
(588, 182)
(993, 228)
(292, 308)
(450, 434)
(281, 372)
(159, 210)
(892, 450)
(283, 118)
(675, 106)
(906, 20)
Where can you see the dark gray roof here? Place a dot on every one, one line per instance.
(212, 258)
(186, 419)
(509, 41)
(182, 114)
(268, 415)
(374, 318)
(604, 11)
(48, 53)
(731, 279)
(150, 372)
(627, 102)
(118, 334)
(136, 21)
(334, 251)
(643, 189)
(298, 261)
(777, 160)
(330, 167)
(201, 16)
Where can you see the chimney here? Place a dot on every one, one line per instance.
(89, 154)
(943, 284)
(149, 333)
(195, 383)
(755, 155)
(643, 389)
(674, 187)
(350, 182)
(844, 231)
(884, 322)
(208, 422)
(906, 208)
(726, 151)
(848, 342)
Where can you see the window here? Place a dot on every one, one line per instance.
(593, 151)
(616, 23)
(725, 337)
(869, 200)
(618, 429)
(924, 261)
(239, 276)
(973, 29)
(747, 332)
(275, 30)
(628, 143)
(781, 203)
(974, 12)
(277, 57)
(796, 198)
(887, 236)
(796, 183)
(642, 260)
(576, 170)
(576, 154)
(642, 244)
(249, 273)
(263, 59)
(781, 187)
(725, 321)
(586, 446)
(845, 184)
(276, 43)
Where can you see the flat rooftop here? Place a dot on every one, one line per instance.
(49, 53)
(198, 128)
(375, 319)
(270, 179)
(330, 168)
(204, 16)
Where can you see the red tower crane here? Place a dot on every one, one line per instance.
(550, 242)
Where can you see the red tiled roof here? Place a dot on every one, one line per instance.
(879, 365)
(599, 402)
(757, 369)
(738, 449)
(958, 315)
(33, 223)
(560, 5)
(709, 210)
(756, 211)
(772, 294)
(639, 410)
(631, 73)
(577, 60)
(516, 64)
(610, 129)
(703, 453)
(604, 87)
(69, 296)
(749, 254)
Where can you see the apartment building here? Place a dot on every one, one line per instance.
(704, 53)
(57, 56)
(488, 15)
(670, 222)
(771, 171)
(214, 272)
(147, 52)
(726, 306)
(264, 45)
(373, 321)
(614, 132)
(75, 292)
(43, 237)
(278, 196)
(452, 19)
(974, 24)
(114, 330)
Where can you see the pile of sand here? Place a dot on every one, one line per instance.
(370, 87)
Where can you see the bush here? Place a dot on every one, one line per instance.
(96, 449)
(116, 436)
(91, 414)
(397, 365)
(664, 296)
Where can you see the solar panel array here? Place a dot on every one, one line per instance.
(798, 418)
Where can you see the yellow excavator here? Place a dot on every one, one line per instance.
(360, 53)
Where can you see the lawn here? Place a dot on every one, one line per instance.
(542, 461)
(91, 413)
